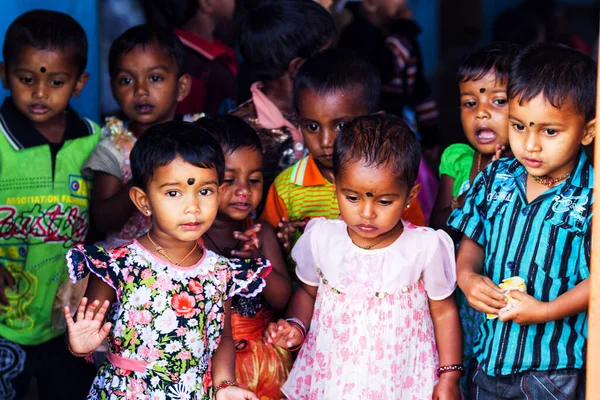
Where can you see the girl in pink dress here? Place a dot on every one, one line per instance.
(374, 316)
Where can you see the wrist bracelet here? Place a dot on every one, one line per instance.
(301, 327)
(225, 384)
(450, 368)
(89, 357)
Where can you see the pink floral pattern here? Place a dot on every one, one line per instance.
(168, 317)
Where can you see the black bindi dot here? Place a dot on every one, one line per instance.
(43, 70)
(191, 181)
(531, 124)
(369, 194)
(482, 90)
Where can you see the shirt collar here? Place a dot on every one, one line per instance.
(22, 134)
(582, 176)
(306, 173)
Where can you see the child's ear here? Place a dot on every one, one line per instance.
(3, 75)
(81, 81)
(184, 84)
(140, 200)
(294, 66)
(589, 132)
(412, 194)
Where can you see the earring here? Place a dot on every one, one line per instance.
(407, 206)
(180, 98)
(148, 212)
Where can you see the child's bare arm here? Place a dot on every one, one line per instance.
(301, 307)
(99, 290)
(449, 339)
(443, 206)
(528, 310)
(482, 294)
(279, 288)
(111, 205)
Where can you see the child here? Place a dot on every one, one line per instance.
(375, 299)
(211, 63)
(147, 79)
(331, 89)
(531, 218)
(482, 81)
(170, 325)
(275, 40)
(261, 368)
(44, 202)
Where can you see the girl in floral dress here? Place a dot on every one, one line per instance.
(148, 81)
(259, 367)
(169, 328)
(374, 315)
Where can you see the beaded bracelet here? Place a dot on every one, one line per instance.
(301, 327)
(450, 368)
(225, 384)
(89, 357)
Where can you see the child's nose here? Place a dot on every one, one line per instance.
(368, 210)
(141, 89)
(531, 143)
(327, 138)
(482, 112)
(39, 90)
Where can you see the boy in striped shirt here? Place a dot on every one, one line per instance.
(331, 89)
(531, 217)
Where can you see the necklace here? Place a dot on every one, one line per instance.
(548, 180)
(224, 252)
(478, 163)
(163, 253)
(386, 236)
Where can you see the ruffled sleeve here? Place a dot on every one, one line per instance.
(247, 276)
(439, 274)
(305, 253)
(82, 260)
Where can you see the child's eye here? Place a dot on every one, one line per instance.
(469, 104)
(26, 80)
(173, 193)
(156, 78)
(500, 102)
(255, 181)
(205, 192)
(385, 202)
(551, 132)
(518, 127)
(352, 199)
(57, 83)
(228, 180)
(340, 126)
(125, 81)
(312, 127)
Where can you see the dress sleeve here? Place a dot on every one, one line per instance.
(247, 276)
(82, 260)
(456, 161)
(105, 158)
(304, 253)
(439, 274)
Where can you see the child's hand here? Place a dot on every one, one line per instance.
(524, 310)
(235, 393)
(447, 387)
(282, 334)
(500, 152)
(6, 279)
(483, 294)
(87, 333)
(286, 230)
(250, 243)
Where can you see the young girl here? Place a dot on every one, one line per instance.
(375, 306)
(482, 80)
(169, 327)
(261, 368)
(147, 79)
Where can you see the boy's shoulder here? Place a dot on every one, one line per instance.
(302, 174)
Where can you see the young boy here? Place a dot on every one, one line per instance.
(211, 63)
(44, 202)
(331, 89)
(275, 40)
(531, 218)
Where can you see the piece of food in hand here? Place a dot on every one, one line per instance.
(508, 284)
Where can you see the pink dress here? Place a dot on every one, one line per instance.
(371, 334)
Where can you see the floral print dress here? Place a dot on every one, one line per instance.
(167, 320)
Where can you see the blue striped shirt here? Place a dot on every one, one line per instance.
(545, 242)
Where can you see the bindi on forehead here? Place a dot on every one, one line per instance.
(191, 181)
(43, 70)
(482, 90)
(369, 194)
(531, 124)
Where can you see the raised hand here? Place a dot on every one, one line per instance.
(88, 332)
(282, 334)
(235, 393)
(250, 243)
(286, 231)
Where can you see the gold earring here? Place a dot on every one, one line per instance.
(407, 206)
(148, 212)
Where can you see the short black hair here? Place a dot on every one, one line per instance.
(175, 13)
(378, 140)
(339, 70)
(46, 30)
(562, 74)
(496, 58)
(278, 32)
(163, 142)
(146, 35)
(231, 132)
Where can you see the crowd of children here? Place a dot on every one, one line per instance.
(144, 236)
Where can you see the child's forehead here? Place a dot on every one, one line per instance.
(540, 104)
(488, 79)
(142, 54)
(350, 99)
(62, 57)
